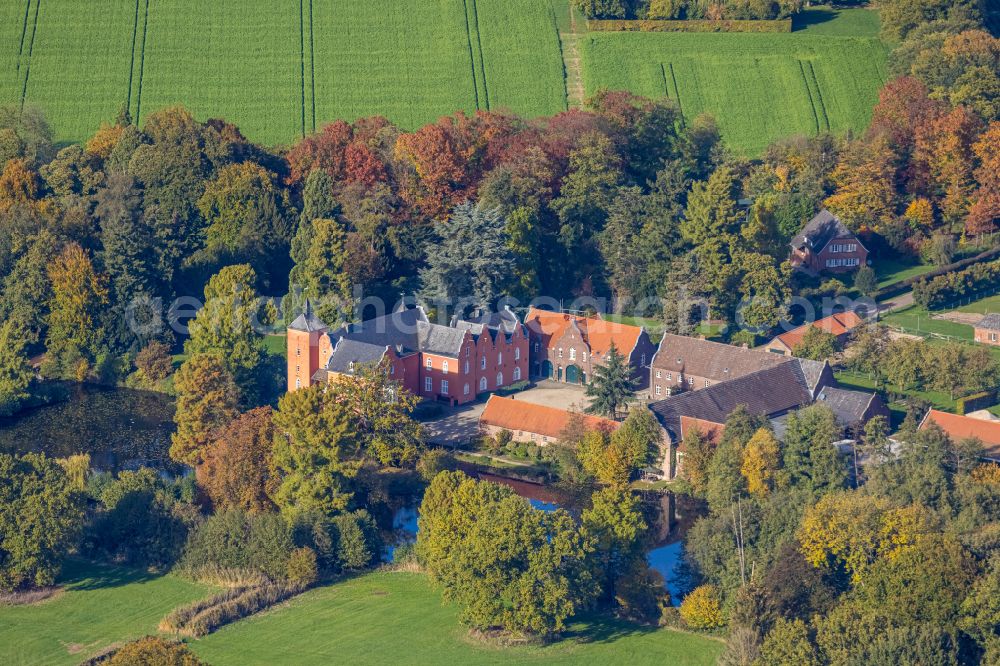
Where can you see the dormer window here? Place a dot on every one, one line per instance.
(350, 366)
(430, 364)
(444, 367)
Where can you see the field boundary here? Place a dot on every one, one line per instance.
(31, 48)
(482, 58)
(478, 77)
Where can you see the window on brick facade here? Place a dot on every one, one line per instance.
(465, 390)
(482, 363)
(482, 384)
(298, 351)
(517, 374)
(691, 381)
(499, 358)
(517, 353)
(560, 352)
(707, 383)
(298, 383)
(444, 387)
(392, 369)
(499, 379)
(658, 390)
(583, 355)
(670, 376)
(657, 374)
(429, 364)
(297, 367)
(572, 354)
(466, 367)
(428, 384)
(444, 367)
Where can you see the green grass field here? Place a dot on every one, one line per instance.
(101, 605)
(386, 618)
(278, 69)
(759, 87)
(281, 69)
(373, 619)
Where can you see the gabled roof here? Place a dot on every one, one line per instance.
(437, 339)
(512, 414)
(990, 321)
(848, 406)
(308, 321)
(715, 361)
(837, 324)
(819, 231)
(709, 430)
(597, 333)
(349, 353)
(965, 427)
(769, 392)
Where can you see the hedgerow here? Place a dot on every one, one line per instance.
(950, 287)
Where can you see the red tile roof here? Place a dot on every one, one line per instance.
(710, 430)
(512, 414)
(598, 333)
(964, 427)
(837, 324)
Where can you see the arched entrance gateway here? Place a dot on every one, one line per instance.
(547, 369)
(572, 375)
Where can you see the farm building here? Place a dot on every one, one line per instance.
(567, 347)
(453, 363)
(839, 325)
(771, 392)
(826, 244)
(529, 422)
(986, 430)
(685, 363)
(852, 409)
(987, 331)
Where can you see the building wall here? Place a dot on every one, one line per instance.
(571, 349)
(479, 365)
(987, 336)
(818, 261)
(518, 435)
(303, 355)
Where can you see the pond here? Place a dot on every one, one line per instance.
(663, 558)
(120, 428)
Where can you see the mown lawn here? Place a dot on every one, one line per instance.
(889, 271)
(759, 87)
(101, 605)
(918, 320)
(386, 618)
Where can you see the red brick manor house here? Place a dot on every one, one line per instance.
(454, 363)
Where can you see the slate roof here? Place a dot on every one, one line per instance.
(397, 330)
(769, 392)
(348, 352)
(819, 230)
(812, 372)
(598, 333)
(520, 415)
(990, 321)
(437, 339)
(715, 361)
(848, 406)
(308, 321)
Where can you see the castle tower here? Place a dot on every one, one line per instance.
(303, 348)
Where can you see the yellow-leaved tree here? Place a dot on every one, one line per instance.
(760, 462)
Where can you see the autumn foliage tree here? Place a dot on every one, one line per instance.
(237, 467)
(206, 403)
(78, 296)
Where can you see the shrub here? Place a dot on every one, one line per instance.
(302, 568)
(971, 403)
(202, 617)
(258, 543)
(434, 461)
(149, 651)
(358, 542)
(784, 25)
(944, 289)
(701, 608)
(154, 361)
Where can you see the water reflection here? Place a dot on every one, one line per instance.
(118, 427)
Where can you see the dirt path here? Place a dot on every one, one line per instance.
(571, 60)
